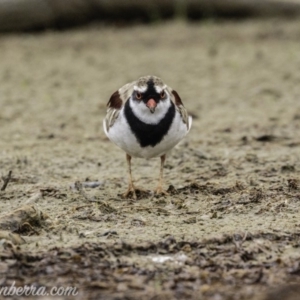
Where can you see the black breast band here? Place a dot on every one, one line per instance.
(149, 134)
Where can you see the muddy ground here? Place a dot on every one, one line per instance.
(229, 228)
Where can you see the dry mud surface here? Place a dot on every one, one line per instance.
(229, 228)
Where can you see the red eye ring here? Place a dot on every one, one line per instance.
(162, 94)
(138, 95)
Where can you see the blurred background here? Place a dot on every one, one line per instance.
(21, 15)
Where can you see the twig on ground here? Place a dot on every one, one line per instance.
(6, 180)
(140, 207)
(29, 226)
(34, 198)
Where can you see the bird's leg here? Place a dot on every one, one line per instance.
(159, 189)
(130, 185)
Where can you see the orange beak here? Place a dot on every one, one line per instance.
(151, 104)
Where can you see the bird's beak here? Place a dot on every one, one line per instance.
(151, 104)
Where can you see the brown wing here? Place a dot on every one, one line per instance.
(115, 101)
(115, 104)
(182, 110)
(113, 109)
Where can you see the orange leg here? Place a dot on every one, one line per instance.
(131, 188)
(159, 190)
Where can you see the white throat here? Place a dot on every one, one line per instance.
(142, 112)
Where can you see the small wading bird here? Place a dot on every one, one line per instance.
(146, 118)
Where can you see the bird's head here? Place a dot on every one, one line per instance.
(150, 98)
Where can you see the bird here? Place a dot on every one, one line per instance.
(146, 118)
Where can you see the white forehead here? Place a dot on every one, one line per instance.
(159, 88)
(143, 88)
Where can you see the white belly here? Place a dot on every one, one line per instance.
(121, 134)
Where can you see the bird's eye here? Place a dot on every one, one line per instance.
(138, 95)
(162, 94)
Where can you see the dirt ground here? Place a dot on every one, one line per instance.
(229, 228)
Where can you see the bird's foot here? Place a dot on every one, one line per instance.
(160, 191)
(135, 192)
(130, 193)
